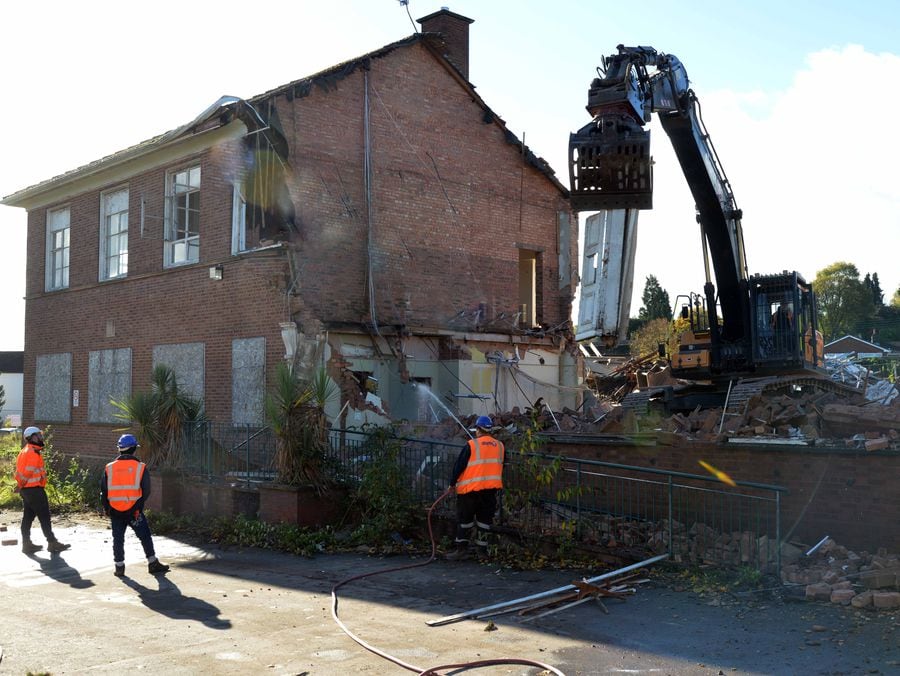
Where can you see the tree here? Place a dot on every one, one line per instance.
(895, 300)
(874, 287)
(844, 301)
(2, 400)
(656, 301)
(159, 417)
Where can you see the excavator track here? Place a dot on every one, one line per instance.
(639, 402)
(740, 395)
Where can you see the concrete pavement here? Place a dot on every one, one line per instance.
(229, 611)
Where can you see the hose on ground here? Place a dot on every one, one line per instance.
(431, 671)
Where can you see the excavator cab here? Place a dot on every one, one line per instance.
(784, 335)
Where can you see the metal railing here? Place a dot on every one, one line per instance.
(228, 452)
(695, 518)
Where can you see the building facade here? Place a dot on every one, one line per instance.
(377, 220)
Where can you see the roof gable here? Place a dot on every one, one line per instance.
(852, 344)
(227, 108)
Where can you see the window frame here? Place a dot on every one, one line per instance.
(105, 236)
(190, 242)
(52, 254)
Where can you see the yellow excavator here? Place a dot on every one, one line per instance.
(750, 334)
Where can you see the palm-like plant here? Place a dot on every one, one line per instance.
(295, 410)
(159, 417)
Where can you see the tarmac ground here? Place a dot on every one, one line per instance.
(240, 611)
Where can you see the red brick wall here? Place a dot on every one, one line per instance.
(451, 199)
(851, 496)
(447, 194)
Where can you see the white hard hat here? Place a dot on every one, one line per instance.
(31, 430)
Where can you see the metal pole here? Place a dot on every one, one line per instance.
(569, 587)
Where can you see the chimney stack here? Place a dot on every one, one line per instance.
(454, 28)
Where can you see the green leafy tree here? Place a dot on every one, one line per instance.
(895, 300)
(844, 301)
(874, 286)
(656, 301)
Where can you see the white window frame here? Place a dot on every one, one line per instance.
(238, 220)
(58, 250)
(114, 231)
(184, 249)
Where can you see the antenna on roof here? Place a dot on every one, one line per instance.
(405, 3)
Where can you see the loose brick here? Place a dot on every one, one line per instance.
(842, 596)
(886, 599)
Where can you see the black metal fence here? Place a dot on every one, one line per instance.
(695, 518)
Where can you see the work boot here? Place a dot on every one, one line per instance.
(157, 568)
(28, 547)
(458, 554)
(119, 571)
(57, 546)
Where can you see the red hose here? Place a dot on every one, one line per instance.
(433, 671)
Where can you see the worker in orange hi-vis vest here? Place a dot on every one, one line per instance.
(477, 479)
(124, 487)
(31, 477)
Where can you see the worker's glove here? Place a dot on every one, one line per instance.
(137, 516)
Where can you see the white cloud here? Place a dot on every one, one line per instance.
(813, 168)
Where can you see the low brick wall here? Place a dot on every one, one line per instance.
(180, 494)
(852, 496)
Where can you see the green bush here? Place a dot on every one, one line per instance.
(70, 487)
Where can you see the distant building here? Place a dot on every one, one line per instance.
(853, 345)
(11, 378)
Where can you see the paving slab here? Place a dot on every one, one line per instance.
(234, 610)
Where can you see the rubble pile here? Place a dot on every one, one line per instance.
(835, 574)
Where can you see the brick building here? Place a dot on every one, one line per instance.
(376, 218)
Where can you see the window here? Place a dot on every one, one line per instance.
(114, 234)
(239, 235)
(57, 268)
(183, 216)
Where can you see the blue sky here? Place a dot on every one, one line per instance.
(799, 98)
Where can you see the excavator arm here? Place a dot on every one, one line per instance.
(610, 167)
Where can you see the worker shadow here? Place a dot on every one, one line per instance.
(169, 601)
(57, 569)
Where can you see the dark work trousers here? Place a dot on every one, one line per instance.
(36, 505)
(120, 522)
(475, 508)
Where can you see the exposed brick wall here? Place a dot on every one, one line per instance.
(451, 200)
(851, 496)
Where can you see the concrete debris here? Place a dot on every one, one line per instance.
(835, 574)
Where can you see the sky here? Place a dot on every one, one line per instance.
(799, 99)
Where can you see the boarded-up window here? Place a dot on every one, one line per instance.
(109, 377)
(52, 385)
(187, 360)
(248, 380)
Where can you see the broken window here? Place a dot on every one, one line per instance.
(183, 216)
(262, 211)
(57, 267)
(114, 234)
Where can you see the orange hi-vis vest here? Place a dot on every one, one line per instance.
(485, 468)
(30, 471)
(123, 483)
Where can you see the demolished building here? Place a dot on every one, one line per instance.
(377, 219)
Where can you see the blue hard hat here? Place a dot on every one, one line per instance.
(127, 441)
(484, 422)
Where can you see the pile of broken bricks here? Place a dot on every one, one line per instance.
(835, 574)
